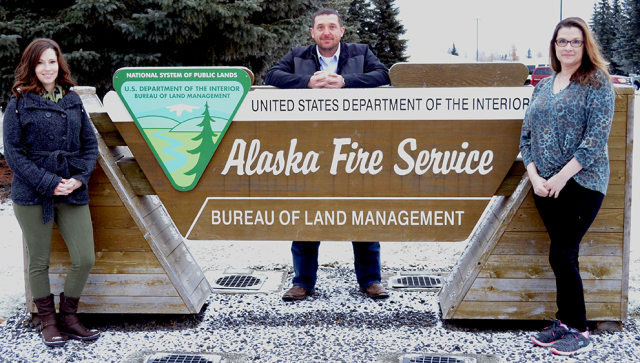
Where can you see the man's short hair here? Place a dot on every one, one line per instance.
(326, 11)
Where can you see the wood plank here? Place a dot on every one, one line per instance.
(107, 129)
(126, 305)
(108, 240)
(424, 75)
(191, 277)
(111, 217)
(111, 263)
(530, 310)
(528, 220)
(617, 147)
(98, 176)
(621, 103)
(627, 208)
(180, 259)
(168, 239)
(120, 285)
(511, 181)
(537, 267)
(614, 199)
(136, 177)
(619, 124)
(105, 201)
(537, 243)
(201, 293)
(618, 171)
(530, 290)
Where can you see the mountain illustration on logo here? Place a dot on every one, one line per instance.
(183, 119)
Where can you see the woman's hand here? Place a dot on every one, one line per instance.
(555, 184)
(538, 184)
(67, 186)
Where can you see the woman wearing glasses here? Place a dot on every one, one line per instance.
(564, 147)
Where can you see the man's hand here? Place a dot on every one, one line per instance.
(67, 186)
(323, 79)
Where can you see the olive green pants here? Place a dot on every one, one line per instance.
(74, 223)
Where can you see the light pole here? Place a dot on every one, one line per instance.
(560, 10)
(477, 51)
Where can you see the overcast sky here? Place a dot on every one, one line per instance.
(437, 24)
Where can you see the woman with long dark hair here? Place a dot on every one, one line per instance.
(564, 147)
(51, 148)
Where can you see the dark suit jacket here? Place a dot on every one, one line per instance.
(357, 64)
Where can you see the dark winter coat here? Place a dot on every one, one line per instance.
(359, 67)
(45, 142)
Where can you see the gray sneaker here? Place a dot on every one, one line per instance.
(550, 334)
(573, 342)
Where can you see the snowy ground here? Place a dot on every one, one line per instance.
(337, 325)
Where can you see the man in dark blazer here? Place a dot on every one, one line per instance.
(331, 63)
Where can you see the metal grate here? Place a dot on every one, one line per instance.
(238, 281)
(179, 358)
(418, 282)
(437, 359)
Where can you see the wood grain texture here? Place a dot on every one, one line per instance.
(518, 310)
(528, 220)
(111, 263)
(127, 305)
(151, 285)
(627, 206)
(531, 290)
(537, 243)
(108, 240)
(136, 176)
(537, 267)
(424, 75)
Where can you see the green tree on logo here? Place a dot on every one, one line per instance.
(206, 147)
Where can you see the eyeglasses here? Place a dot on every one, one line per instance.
(574, 43)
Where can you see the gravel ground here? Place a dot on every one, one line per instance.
(337, 324)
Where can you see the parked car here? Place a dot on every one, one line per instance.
(624, 80)
(540, 73)
(635, 79)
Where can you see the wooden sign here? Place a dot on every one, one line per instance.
(362, 164)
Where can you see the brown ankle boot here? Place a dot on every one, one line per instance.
(51, 335)
(70, 324)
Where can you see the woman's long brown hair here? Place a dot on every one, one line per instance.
(26, 79)
(592, 59)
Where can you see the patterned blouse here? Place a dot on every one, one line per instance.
(573, 123)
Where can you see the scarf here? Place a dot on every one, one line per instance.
(53, 96)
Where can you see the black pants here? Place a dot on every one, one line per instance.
(567, 218)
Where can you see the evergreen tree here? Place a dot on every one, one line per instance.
(603, 25)
(453, 51)
(362, 14)
(616, 30)
(101, 36)
(627, 44)
(206, 147)
(529, 54)
(389, 48)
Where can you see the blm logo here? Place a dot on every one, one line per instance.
(182, 113)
